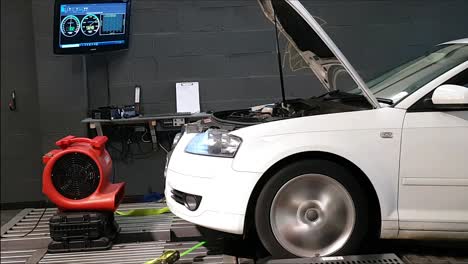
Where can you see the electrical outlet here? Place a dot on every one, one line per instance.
(177, 122)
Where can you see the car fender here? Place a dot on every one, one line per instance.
(375, 150)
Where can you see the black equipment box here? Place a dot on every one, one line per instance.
(102, 243)
(109, 112)
(113, 112)
(82, 231)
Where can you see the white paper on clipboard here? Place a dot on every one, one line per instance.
(188, 97)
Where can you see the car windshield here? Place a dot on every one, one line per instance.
(409, 77)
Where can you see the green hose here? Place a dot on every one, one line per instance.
(193, 248)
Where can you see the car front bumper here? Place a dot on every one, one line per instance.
(225, 192)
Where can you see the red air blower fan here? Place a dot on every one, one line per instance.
(76, 178)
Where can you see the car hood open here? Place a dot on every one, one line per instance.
(313, 44)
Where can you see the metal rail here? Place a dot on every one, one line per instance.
(362, 259)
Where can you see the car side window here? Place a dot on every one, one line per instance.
(425, 103)
(460, 79)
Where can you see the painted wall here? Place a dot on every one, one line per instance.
(226, 45)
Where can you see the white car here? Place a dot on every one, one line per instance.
(316, 176)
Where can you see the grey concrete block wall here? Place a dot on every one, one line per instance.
(61, 91)
(226, 45)
(20, 140)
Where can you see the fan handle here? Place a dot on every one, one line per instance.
(97, 142)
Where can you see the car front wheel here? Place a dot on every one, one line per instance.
(311, 208)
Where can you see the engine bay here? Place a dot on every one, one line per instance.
(332, 102)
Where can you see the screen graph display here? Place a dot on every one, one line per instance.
(92, 25)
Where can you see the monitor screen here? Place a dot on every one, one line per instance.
(91, 26)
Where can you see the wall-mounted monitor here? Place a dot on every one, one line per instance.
(88, 26)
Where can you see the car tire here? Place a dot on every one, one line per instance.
(311, 208)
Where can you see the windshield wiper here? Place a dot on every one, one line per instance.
(333, 95)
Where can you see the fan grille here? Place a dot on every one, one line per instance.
(75, 176)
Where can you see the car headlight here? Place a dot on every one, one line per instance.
(214, 142)
(176, 140)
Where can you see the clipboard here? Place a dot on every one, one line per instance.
(188, 97)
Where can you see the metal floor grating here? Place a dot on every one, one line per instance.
(127, 253)
(17, 256)
(138, 253)
(141, 238)
(15, 234)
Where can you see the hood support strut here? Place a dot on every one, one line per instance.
(313, 43)
(280, 63)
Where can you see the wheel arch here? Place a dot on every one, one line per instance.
(371, 194)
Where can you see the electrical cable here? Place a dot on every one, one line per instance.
(165, 150)
(35, 225)
(85, 82)
(128, 138)
(143, 137)
(108, 81)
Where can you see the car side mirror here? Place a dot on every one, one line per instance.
(450, 97)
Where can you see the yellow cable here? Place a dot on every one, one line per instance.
(143, 212)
